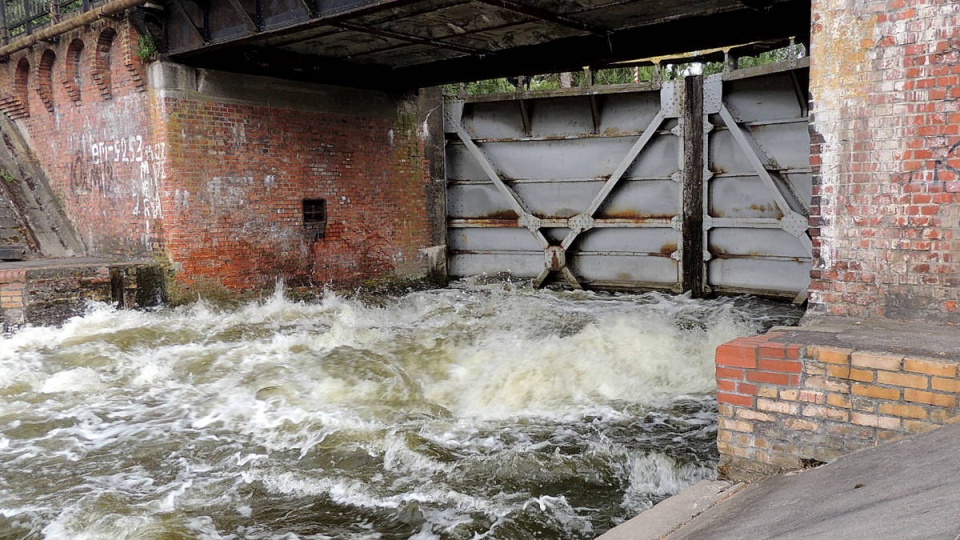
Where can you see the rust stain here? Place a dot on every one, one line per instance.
(502, 214)
(668, 249)
(631, 214)
(614, 132)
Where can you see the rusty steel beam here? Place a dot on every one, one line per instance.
(328, 16)
(248, 20)
(572, 53)
(201, 31)
(110, 8)
(407, 38)
(547, 16)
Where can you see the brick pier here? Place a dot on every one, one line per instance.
(794, 398)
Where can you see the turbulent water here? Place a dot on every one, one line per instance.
(479, 411)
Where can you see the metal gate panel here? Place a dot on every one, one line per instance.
(760, 187)
(613, 270)
(593, 158)
(769, 243)
(494, 263)
(649, 241)
(593, 188)
(786, 147)
(492, 239)
(630, 113)
(586, 188)
(563, 200)
(758, 275)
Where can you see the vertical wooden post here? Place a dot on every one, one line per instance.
(691, 122)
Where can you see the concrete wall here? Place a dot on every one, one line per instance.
(209, 170)
(885, 88)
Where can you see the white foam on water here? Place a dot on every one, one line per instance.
(182, 410)
(80, 379)
(654, 476)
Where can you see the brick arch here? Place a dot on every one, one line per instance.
(101, 62)
(21, 87)
(73, 81)
(45, 78)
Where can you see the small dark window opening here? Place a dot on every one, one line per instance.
(315, 218)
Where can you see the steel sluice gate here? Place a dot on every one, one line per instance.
(701, 184)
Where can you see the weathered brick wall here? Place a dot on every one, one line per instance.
(240, 166)
(210, 170)
(885, 90)
(81, 106)
(787, 405)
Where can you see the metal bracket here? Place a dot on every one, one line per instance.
(712, 94)
(794, 224)
(707, 223)
(529, 221)
(676, 223)
(580, 223)
(670, 98)
(452, 113)
(555, 258)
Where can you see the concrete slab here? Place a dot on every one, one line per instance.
(902, 490)
(77, 262)
(674, 512)
(915, 338)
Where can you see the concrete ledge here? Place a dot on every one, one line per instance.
(185, 82)
(49, 291)
(675, 512)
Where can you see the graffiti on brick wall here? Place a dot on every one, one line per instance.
(121, 168)
(937, 171)
(126, 150)
(943, 164)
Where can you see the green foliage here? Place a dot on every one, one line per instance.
(487, 86)
(628, 75)
(147, 47)
(770, 57)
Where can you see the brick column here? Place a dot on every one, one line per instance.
(12, 297)
(786, 406)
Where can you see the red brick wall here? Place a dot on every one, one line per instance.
(210, 170)
(240, 171)
(885, 88)
(92, 135)
(785, 405)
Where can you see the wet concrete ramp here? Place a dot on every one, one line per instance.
(906, 489)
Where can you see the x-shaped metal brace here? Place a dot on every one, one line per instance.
(555, 256)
